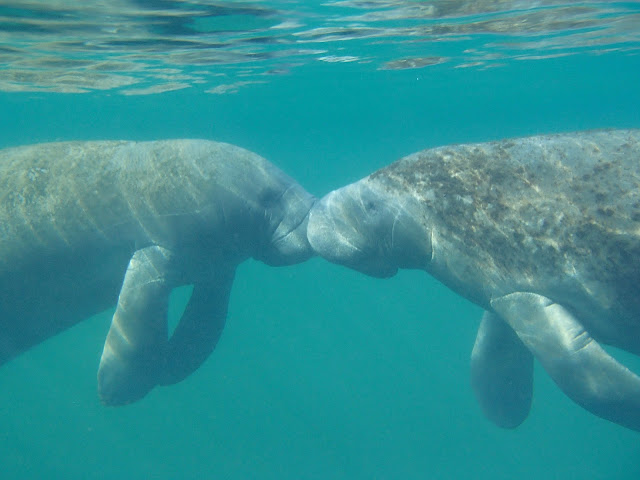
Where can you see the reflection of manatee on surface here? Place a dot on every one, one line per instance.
(541, 232)
(77, 218)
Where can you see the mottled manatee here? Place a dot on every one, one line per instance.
(88, 225)
(542, 232)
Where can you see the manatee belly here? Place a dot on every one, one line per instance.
(54, 292)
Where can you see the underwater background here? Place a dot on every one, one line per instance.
(321, 373)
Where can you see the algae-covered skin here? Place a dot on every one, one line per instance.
(542, 232)
(78, 220)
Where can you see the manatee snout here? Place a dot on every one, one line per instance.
(338, 231)
(363, 228)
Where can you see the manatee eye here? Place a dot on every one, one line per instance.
(268, 196)
(370, 206)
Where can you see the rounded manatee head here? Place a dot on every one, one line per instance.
(370, 228)
(245, 200)
(287, 242)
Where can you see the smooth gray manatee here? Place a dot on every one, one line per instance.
(88, 225)
(542, 232)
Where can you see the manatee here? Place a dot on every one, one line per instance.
(88, 225)
(542, 232)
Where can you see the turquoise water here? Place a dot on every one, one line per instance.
(321, 372)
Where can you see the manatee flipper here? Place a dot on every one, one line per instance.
(200, 327)
(501, 373)
(573, 359)
(135, 348)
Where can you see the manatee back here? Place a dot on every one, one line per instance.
(57, 196)
(549, 212)
(73, 213)
(50, 194)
